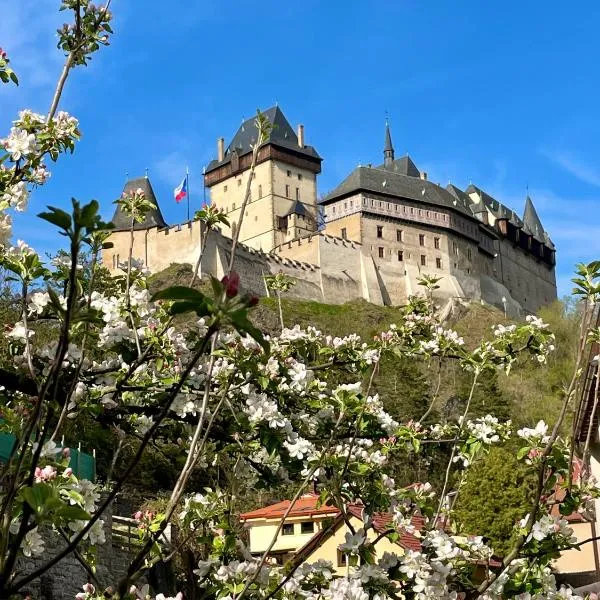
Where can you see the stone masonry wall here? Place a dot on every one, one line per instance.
(65, 579)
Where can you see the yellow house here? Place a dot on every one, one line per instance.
(316, 532)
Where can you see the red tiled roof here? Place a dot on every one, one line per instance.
(382, 522)
(305, 506)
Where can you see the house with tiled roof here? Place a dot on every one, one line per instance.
(311, 531)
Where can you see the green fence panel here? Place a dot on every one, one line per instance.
(6, 445)
(83, 465)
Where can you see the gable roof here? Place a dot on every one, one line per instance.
(403, 166)
(297, 208)
(390, 183)
(154, 217)
(306, 505)
(282, 134)
(408, 541)
(499, 210)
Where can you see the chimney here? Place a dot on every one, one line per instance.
(220, 149)
(301, 136)
(423, 175)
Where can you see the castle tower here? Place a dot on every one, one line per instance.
(283, 193)
(388, 148)
(153, 218)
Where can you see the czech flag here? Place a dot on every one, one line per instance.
(180, 192)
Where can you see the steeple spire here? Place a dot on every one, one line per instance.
(388, 149)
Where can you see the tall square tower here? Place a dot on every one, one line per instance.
(283, 194)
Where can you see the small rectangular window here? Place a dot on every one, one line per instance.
(350, 203)
(379, 231)
(438, 263)
(239, 182)
(289, 173)
(345, 559)
(287, 529)
(307, 527)
(345, 206)
(224, 188)
(297, 193)
(423, 260)
(344, 234)
(114, 261)
(381, 252)
(400, 255)
(260, 191)
(299, 176)
(469, 253)
(287, 191)
(421, 239)
(436, 243)
(398, 235)
(233, 206)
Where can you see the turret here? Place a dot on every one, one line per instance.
(153, 218)
(388, 148)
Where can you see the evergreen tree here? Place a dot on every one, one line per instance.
(495, 495)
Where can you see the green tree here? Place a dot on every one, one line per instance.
(496, 493)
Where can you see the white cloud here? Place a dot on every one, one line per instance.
(574, 165)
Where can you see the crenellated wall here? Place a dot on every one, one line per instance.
(333, 269)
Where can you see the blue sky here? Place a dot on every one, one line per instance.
(496, 93)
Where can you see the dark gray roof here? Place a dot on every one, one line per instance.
(297, 208)
(463, 198)
(153, 218)
(403, 166)
(390, 183)
(531, 220)
(533, 225)
(388, 140)
(499, 210)
(282, 134)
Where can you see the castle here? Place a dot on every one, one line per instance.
(373, 237)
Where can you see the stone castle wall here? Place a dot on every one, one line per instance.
(334, 270)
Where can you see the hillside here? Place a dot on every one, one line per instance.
(531, 393)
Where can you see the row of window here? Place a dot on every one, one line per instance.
(400, 237)
(289, 174)
(438, 260)
(305, 527)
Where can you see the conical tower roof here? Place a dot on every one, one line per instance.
(532, 221)
(388, 147)
(154, 218)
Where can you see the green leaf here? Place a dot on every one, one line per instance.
(37, 496)
(72, 513)
(240, 321)
(179, 292)
(88, 213)
(185, 306)
(57, 217)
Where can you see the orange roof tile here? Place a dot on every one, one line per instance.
(305, 506)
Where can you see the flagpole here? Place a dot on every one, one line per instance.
(187, 177)
(203, 187)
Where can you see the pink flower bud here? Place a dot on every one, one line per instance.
(138, 515)
(68, 472)
(66, 452)
(232, 284)
(89, 588)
